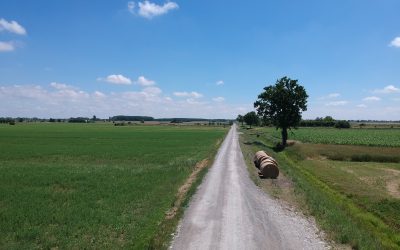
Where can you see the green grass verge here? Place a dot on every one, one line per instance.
(93, 185)
(340, 214)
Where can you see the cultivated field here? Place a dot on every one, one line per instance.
(352, 190)
(369, 137)
(75, 186)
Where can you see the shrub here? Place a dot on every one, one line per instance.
(342, 124)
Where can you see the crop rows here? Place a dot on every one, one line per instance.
(369, 137)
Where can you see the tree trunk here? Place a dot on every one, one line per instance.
(284, 137)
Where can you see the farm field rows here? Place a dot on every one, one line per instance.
(352, 190)
(369, 137)
(93, 185)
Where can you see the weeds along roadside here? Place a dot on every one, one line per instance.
(167, 227)
(337, 215)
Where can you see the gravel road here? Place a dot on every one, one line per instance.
(230, 212)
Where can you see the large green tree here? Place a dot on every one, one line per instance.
(282, 104)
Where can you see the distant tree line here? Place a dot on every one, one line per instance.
(328, 121)
(131, 118)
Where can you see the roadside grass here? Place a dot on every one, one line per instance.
(350, 200)
(93, 185)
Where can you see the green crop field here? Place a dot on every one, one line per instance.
(352, 190)
(370, 137)
(77, 186)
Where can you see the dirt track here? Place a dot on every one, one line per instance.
(230, 212)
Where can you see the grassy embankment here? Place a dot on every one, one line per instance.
(95, 185)
(352, 190)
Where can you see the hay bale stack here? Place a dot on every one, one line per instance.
(267, 165)
(258, 157)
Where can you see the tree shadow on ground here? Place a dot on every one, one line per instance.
(277, 148)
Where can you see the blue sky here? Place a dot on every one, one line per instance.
(197, 58)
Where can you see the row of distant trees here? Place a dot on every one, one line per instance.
(252, 119)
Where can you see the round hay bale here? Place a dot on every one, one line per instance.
(272, 159)
(257, 157)
(269, 169)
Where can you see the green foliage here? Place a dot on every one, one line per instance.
(240, 119)
(328, 121)
(282, 104)
(251, 118)
(342, 124)
(131, 118)
(93, 186)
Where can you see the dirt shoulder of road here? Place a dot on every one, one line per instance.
(184, 189)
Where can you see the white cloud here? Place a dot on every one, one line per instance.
(220, 82)
(387, 90)
(334, 95)
(12, 27)
(145, 82)
(152, 91)
(99, 94)
(361, 106)
(6, 46)
(59, 100)
(116, 79)
(337, 103)
(61, 86)
(218, 99)
(329, 96)
(149, 10)
(371, 98)
(395, 42)
(192, 94)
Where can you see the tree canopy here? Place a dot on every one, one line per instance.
(282, 104)
(251, 118)
(240, 119)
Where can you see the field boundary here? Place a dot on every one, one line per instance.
(182, 191)
(167, 227)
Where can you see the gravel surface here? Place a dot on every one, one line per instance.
(230, 212)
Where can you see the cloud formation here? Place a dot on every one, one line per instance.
(192, 94)
(143, 81)
(60, 100)
(390, 89)
(116, 79)
(395, 42)
(372, 98)
(337, 103)
(6, 46)
(220, 82)
(149, 10)
(12, 27)
(218, 99)
(329, 96)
